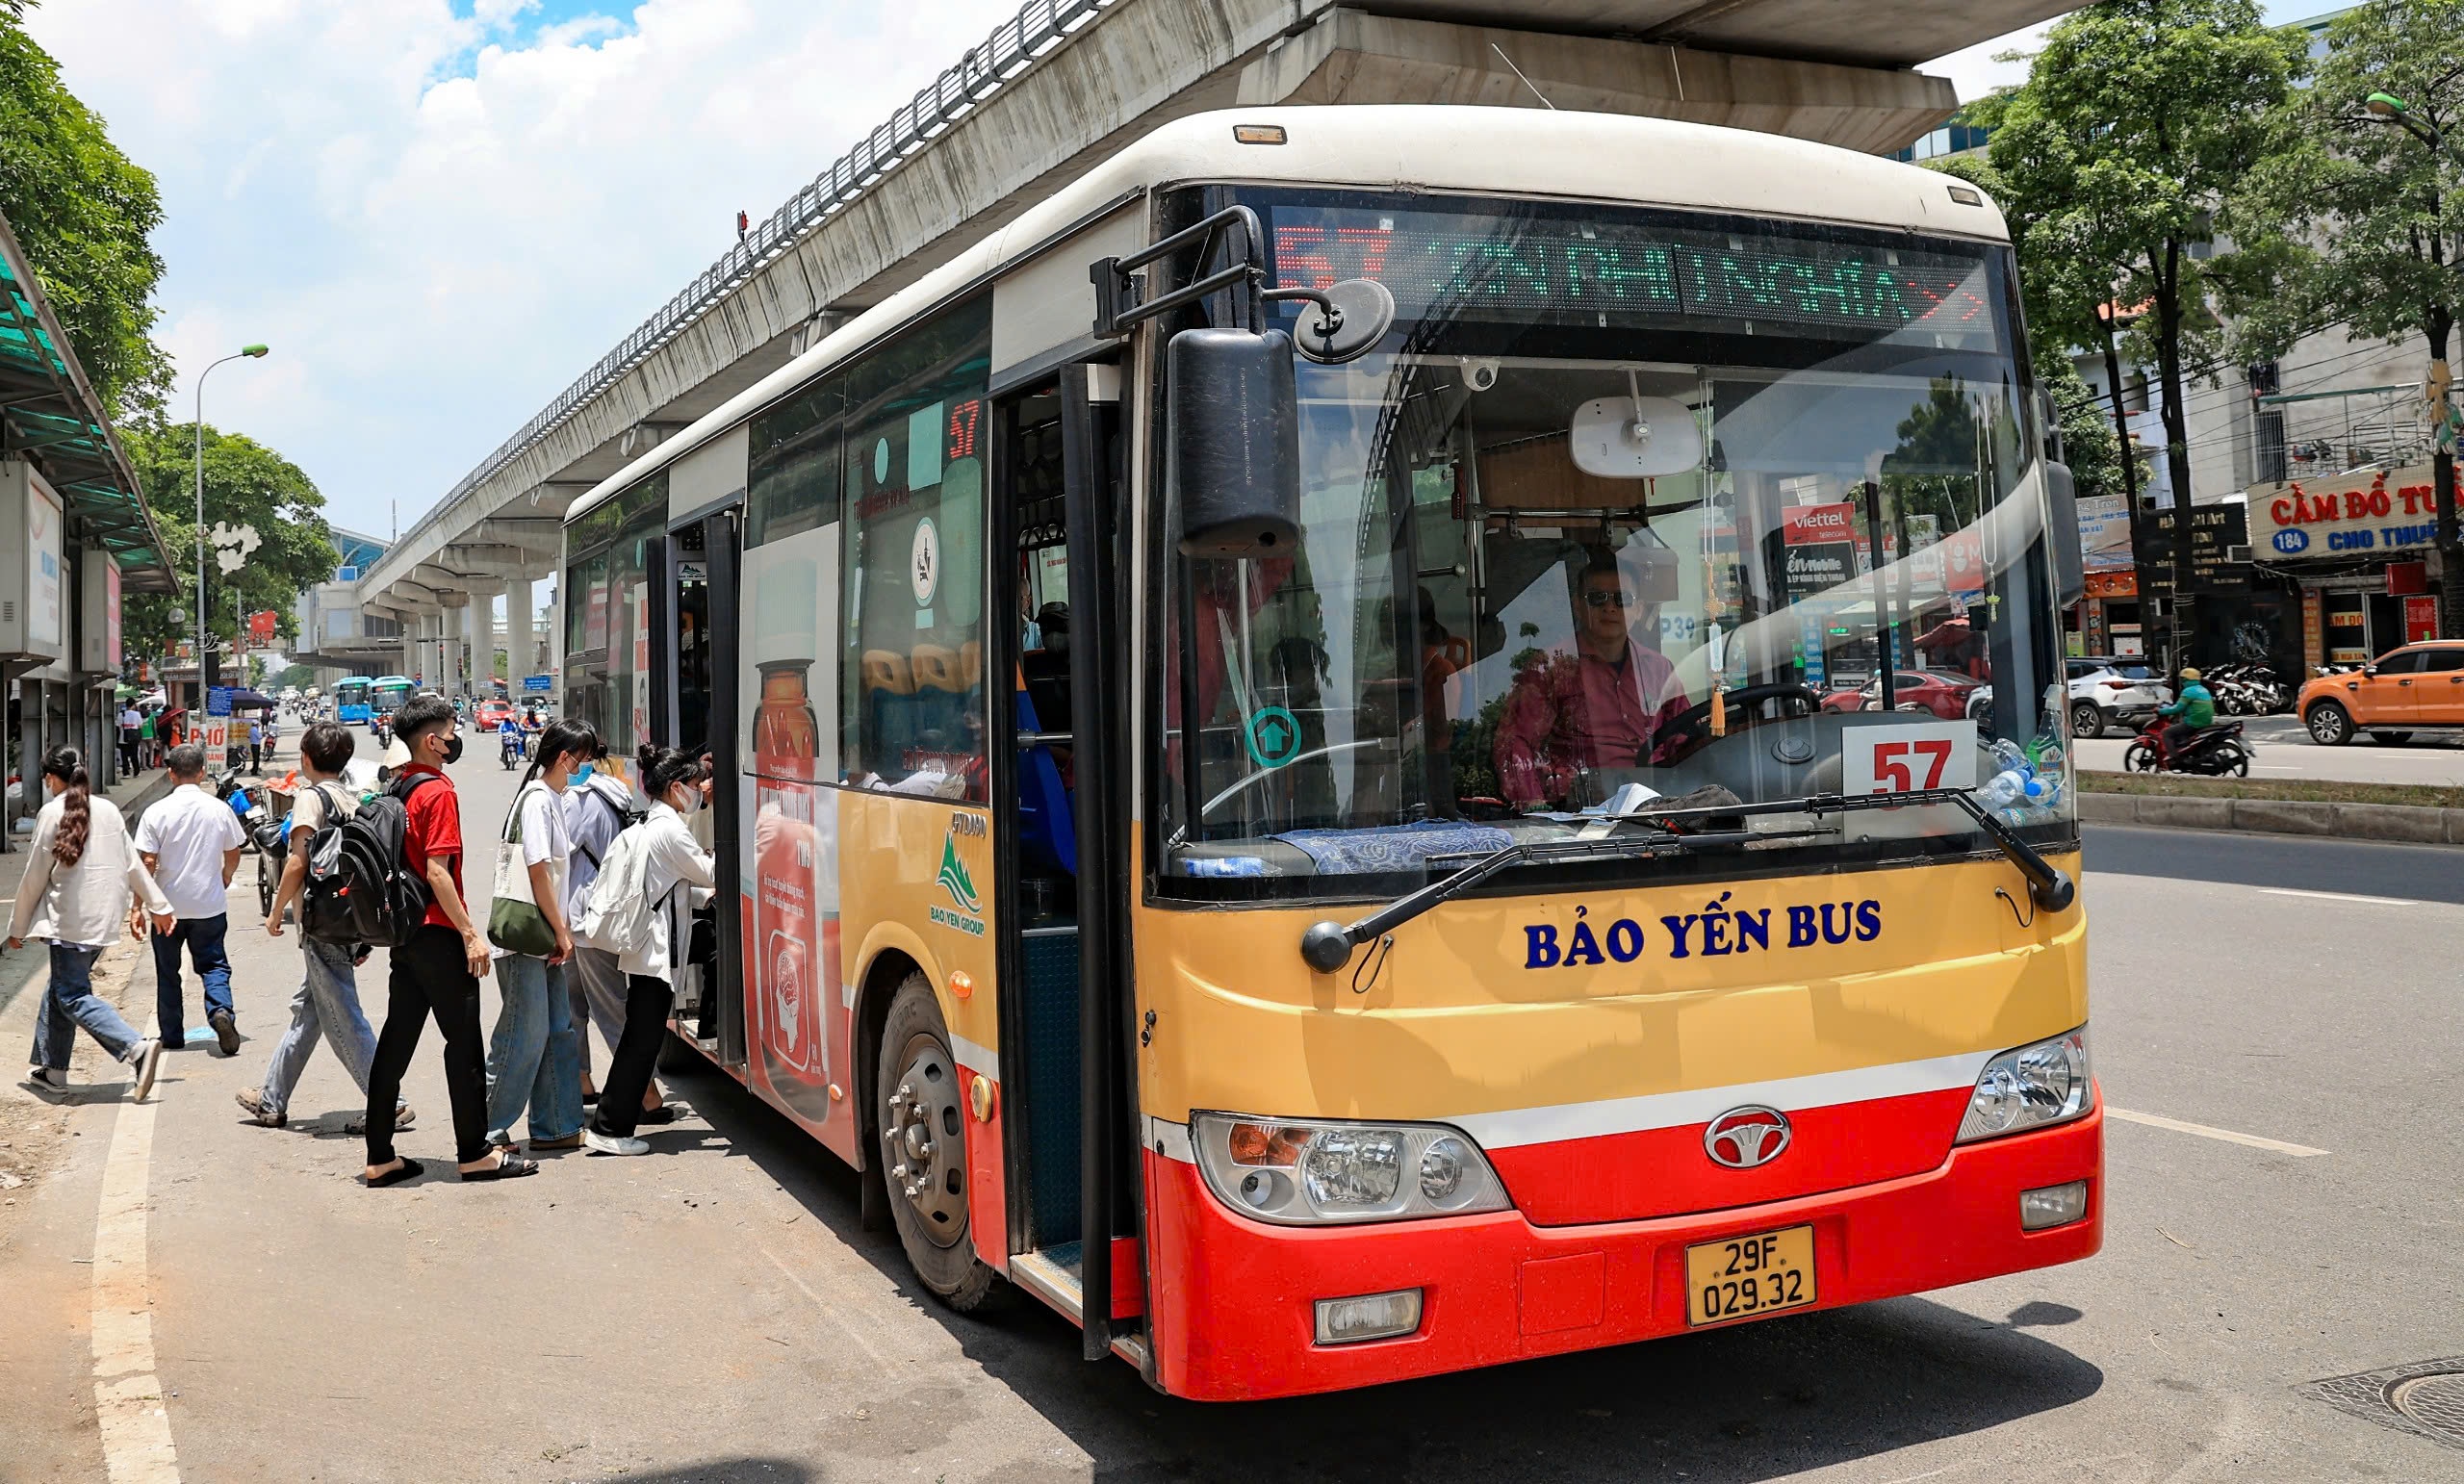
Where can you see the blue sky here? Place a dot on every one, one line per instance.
(439, 212)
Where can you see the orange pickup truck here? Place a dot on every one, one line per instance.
(2418, 686)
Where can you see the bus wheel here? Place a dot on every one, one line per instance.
(921, 1110)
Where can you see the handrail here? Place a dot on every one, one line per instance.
(1039, 28)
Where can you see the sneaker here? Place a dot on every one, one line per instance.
(609, 1144)
(48, 1081)
(253, 1099)
(150, 1060)
(357, 1123)
(226, 1032)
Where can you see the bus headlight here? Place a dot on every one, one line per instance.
(2031, 1087)
(1308, 1173)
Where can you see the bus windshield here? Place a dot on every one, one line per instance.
(390, 693)
(1631, 512)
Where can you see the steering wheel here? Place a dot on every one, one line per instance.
(1695, 721)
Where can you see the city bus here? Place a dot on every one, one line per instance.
(388, 694)
(350, 699)
(1273, 787)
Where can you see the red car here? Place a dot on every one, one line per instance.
(1911, 690)
(491, 715)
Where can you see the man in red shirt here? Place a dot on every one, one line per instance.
(437, 972)
(1602, 706)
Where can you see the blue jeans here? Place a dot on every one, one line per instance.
(70, 1002)
(325, 1005)
(204, 937)
(534, 1058)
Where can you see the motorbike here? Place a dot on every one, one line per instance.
(2211, 751)
(515, 747)
(251, 803)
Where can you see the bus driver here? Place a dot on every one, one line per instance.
(1602, 706)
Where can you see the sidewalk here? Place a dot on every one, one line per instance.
(17, 971)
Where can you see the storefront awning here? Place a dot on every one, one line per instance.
(50, 417)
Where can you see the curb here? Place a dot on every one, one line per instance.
(2402, 823)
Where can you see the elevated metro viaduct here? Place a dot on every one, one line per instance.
(1062, 85)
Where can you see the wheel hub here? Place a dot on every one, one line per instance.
(922, 1143)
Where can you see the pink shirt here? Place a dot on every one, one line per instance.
(1570, 711)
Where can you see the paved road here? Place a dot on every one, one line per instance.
(2285, 750)
(713, 1312)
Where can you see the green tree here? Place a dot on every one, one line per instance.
(245, 484)
(83, 211)
(2377, 212)
(2122, 157)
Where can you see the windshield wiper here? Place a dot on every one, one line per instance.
(1328, 945)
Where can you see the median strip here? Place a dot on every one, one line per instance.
(2408, 813)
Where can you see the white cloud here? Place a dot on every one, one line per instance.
(1975, 69)
(438, 216)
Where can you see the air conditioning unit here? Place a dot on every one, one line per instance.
(2237, 553)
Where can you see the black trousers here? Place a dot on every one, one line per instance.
(430, 975)
(128, 754)
(647, 1002)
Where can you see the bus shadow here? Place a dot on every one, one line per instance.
(1759, 1401)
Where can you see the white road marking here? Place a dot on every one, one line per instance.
(825, 1306)
(128, 1396)
(2254, 1141)
(2338, 896)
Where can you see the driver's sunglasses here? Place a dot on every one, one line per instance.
(1604, 597)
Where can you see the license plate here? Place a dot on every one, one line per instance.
(1745, 1276)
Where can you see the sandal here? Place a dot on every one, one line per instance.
(509, 1166)
(408, 1170)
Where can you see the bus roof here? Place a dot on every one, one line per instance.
(1506, 151)
(391, 680)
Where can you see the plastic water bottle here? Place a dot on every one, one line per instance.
(2003, 790)
(2009, 757)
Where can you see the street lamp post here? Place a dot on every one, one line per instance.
(247, 352)
(2387, 107)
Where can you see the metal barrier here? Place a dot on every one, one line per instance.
(1016, 44)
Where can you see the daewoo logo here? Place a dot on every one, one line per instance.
(1746, 1137)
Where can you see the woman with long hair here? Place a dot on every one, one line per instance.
(678, 876)
(533, 1062)
(75, 892)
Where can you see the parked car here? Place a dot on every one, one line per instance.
(1937, 691)
(2108, 692)
(2416, 687)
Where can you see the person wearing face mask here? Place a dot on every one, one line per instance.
(531, 1060)
(79, 877)
(678, 876)
(436, 973)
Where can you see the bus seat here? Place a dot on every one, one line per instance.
(1046, 678)
(970, 664)
(936, 668)
(1047, 828)
(885, 670)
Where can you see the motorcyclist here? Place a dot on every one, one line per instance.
(2192, 711)
(509, 735)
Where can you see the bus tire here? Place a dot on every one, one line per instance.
(920, 1111)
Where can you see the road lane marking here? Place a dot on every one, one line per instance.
(128, 1395)
(2203, 1131)
(2338, 896)
(825, 1306)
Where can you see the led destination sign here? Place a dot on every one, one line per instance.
(1562, 270)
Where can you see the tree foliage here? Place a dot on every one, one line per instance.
(2375, 214)
(2122, 158)
(83, 211)
(245, 484)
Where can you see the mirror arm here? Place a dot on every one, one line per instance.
(1117, 303)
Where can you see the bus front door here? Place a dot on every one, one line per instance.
(1059, 850)
(693, 698)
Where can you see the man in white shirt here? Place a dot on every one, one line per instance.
(191, 842)
(130, 720)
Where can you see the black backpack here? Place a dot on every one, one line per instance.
(361, 888)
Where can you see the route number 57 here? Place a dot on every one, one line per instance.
(1907, 757)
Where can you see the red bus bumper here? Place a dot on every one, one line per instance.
(1233, 1298)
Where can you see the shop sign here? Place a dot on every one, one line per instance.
(2214, 530)
(2112, 584)
(2381, 510)
(1818, 524)
(2314, 628)
(2421, 619)
(2104, 534)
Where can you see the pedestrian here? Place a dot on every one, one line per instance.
(149, 743)
(191, 840)
(532, 1063)
(598, 805)
(674, 862)
(326, 1003)
(76, 887)
(436, 973)
(130, 724)
(257, 744)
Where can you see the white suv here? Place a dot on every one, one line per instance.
(2107, 691)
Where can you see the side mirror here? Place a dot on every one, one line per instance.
(1234, 442)
(2062, 534)
(2369, 669)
